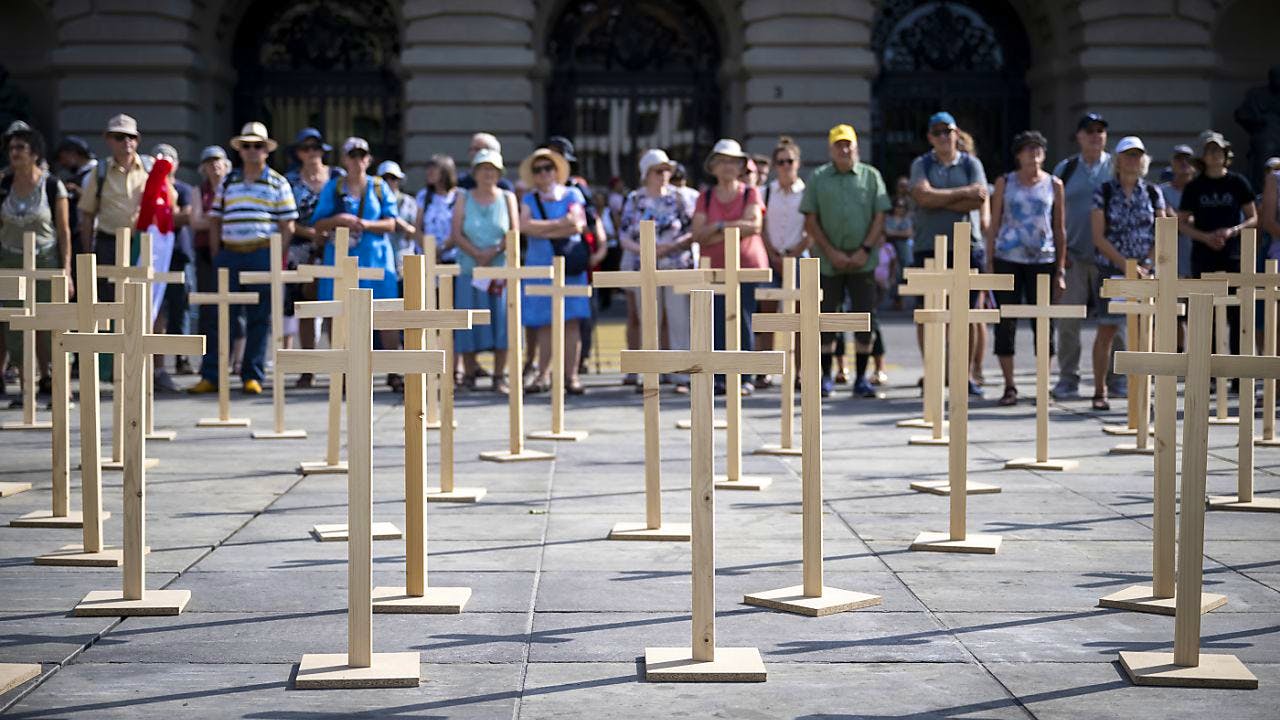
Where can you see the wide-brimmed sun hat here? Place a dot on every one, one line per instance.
(724, 147)
(254, 132)
(526, 166)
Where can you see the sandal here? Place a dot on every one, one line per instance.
(575, 388)
(305, 380)
(842, 378)
(500, 384)
(395, 381)
(1010, 396)
(1100, 404)
(764, 381)
(537, 386)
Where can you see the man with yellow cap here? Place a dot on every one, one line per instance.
(844, 207)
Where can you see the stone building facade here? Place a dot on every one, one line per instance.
(418, 76)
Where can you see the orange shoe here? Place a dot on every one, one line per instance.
(252, 387)
(203, 387)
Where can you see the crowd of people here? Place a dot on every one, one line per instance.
(1078, 223)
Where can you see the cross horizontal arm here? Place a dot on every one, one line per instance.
(13, 288)
(1129, 307)
(1150, 363)
(777, 294)
(43, 274)
(1244, 366)
(173, 344)
(943, 316)
(337, 308)
(635, 278)
(1226, 301)
(775, 322)
(686, 362)
(324, 362)
(564, 290)
(213, 298)
(502, 272)
(1038, 311)
(422, 319)
(1145, 289)
(409, 362)
(333, 272)
(744, 275)
(105, 343)
(118, 274)
(452, 270)
(1238, 279)
(263, 277)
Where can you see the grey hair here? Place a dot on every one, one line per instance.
(488, 140)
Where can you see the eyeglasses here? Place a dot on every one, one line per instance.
(784, 161)
(121, 137)
(253, 146)
(309, 148)
(943, 132)
(539, 169)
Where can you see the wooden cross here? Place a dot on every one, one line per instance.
(1133, 324)
(1269, 297)
(934, 390)
(811, 598)
(513, 274)
(224, 299)
(558, 291)
(1042, 312)
(131, 345)
(648, 279)
(1247, 283)
(702, 661)
(958, 283)
(727, 281)
(447, 491)
(144, 272)
(1186, 665)
(786, 296)
(28, 275)
(1222, 346)
(346, 274)
(276, 278)
(358, 361)
(86, 315)
(1140, 314)
(435, 273)
(1165, 290)
(13, 288)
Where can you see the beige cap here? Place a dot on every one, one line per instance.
(122, 124)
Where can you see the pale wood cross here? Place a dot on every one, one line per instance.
(1140, 313)
(1186, 665)
(224, 299)
(934, 352)
(1270, 298)
(1042, 312)
(1164, 289)
(648, 280)
(28, 275)
(1222, 346)
(786, 296)
(277, 278)
(1133, 324)
(513, 274)
(447, 491)
(558, 291)
(357, 362)
(13, 288)
(812, 597)
(131, 345)
(702, 661)
(958, 282)
(434, 274)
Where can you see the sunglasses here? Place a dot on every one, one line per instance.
(358, 154)
(121, 137)
(942, 132)
(309, 148)
(784, 161)
(539, 169)
(253, 146)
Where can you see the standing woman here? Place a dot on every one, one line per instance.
(365, 206)
(307, 246)
(33, 200)
(481, 220)
(784, 235)
(1123, 219)
(552, 217)
(435, 206)
(731, 203)
(1027, 238)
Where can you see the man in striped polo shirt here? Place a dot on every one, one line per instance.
(251, 204)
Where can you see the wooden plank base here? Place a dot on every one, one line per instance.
(1140, 598)
(737, 664)
(1214, 671)
(565, 436)
(773, 449)
(1050, 464)
(320, 467)
(19, 425)
(435, 601)
(670, 532)
(1231, 502)
(1124, 430)
(744, 482)
(46, 519)
(1266, 442)
(219, 423)
(718, 424)
(14, 674)
(1224, 421)
(331, 671)
(793, 600)
(928, 440)
(1133, 449)
(272, 435)
(75, 556)
(457, 495)
(111, 603)
(13, 488)
(436, 425)
(163, 435)
(118, 465)
(917, 422)
(942, 542)
(943, 487)
(337, 532)
(506, 456)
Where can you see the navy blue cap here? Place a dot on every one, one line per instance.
(75, 142)
(563, 145)
(1089, 118)
(310, 133)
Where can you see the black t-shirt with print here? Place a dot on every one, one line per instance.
(1216, 203)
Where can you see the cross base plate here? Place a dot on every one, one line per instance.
(14, 674)
(1231, 502)
(744, 482)
(46, 519)
(272, 435)
(1124, 430)
(435, 425)
(218, 422)
(1132, 449)
(506, 456)
(1263, 441)
(565, 435)
(337, 532)
(1050, 464)
(13, 488)
(111, 603)
(331, 671)
(1214, 671)
(673, 532)
(916, 422)
(75, 556)
(320, 467)
(943, 487)
(1224, 421)
(1140, 598)
(928, 440)
(456, 495)
(19, 425)
(717, 424)
(736, 664)
(773, 449)
(163, 435)
(118, 465)
(435, 601)
(793, 600)
(942, 542)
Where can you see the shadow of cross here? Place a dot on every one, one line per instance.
(700, 361)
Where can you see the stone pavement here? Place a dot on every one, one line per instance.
(560, 617)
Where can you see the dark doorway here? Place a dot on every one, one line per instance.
(320, 63)
(969, 58)
(630, 75)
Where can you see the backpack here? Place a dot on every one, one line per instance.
(50, 188)
(148, 162)
(930, 162)
(1069, 169)
(1107, 192)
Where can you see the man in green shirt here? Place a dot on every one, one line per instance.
(844, 205)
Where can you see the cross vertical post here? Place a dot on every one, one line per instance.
(933, 390)
(224, 299)
(1269, 296)
(29, 276)
(1139, 385)
(447, 491)
(13, 288)
(276, 278)
(558, 291)
(785, 296)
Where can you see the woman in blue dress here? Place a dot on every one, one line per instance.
(367, 208)
(552, 211)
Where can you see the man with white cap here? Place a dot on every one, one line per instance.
(403, 238)
(248, 207)
(112, 195)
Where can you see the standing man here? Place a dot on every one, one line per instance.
(1082, 174)
(112, 196)
(1184, 171)
(844, 205)
(247, 208)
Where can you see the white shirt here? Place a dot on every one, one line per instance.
(783, 221)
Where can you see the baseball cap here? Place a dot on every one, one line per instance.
(485, 156)
(841, 132)
(75, 142)
(942, 118)
(1183, 150)
(310, 133)
(212, 152)
(1272, 163)
(352, 144)
(392, 168)
(166, 150)
(1130, 142)
(562, 145)
(1212, 137)
(651, 159)
(1090, 118)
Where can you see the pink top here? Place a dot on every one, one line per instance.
(751, 247)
